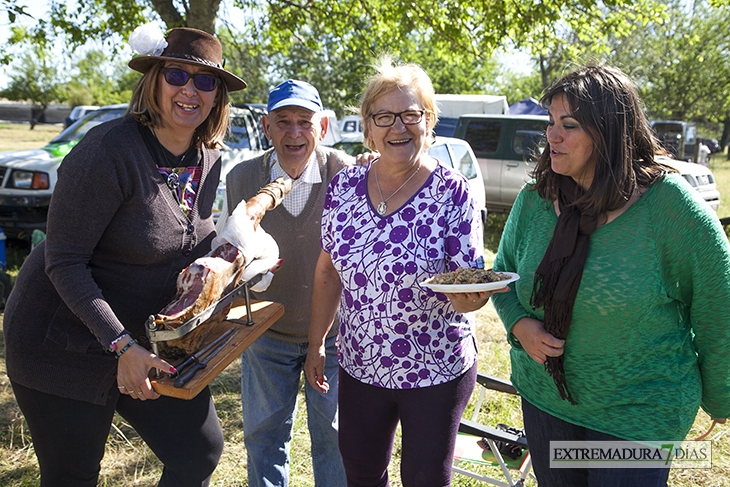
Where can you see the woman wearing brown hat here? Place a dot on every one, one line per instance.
(132, 207)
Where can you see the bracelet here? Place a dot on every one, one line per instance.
(276, 197)
(113, 344)
(121, 352)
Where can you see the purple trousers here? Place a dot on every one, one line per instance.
(429, 418)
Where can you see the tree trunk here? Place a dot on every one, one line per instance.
(725, 138)
(203, 14)
(544, 72)
(37, 116)
(168, 13)
(200, 14)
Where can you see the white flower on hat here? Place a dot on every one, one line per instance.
(147, 40)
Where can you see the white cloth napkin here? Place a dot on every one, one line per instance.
(259, 249)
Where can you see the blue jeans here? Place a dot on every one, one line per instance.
(541, 428)
(270, 373)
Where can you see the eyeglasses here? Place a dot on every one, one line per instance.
(178, 77)
(409, 117)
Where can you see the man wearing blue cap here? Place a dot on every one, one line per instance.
(271, 367)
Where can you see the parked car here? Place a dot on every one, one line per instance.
(712, 144)
(454, 153)
(27, 178)
(507, 147)
(333, 129)
(679, 139)
(78, 113)
(699, 177)
(351, 124)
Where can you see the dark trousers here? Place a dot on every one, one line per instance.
(541, 428)
(429, 418)
(69, 436)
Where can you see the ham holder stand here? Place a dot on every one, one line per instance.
(234, 311)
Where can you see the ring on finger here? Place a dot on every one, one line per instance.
(120, 387)
(139, 393)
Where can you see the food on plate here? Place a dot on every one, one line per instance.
(211, 277)
(468, 275)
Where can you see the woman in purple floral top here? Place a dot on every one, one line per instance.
(406, 354)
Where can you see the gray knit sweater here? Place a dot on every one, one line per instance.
(297, 238)
(116, 241)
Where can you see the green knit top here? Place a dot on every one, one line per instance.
(649, 342)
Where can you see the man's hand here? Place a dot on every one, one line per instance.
(366, 158)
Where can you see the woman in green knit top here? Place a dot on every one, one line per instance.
(619, 325)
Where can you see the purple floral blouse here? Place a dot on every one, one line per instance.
(393, 332)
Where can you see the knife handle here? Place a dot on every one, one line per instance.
(188, 374)
(179, 368)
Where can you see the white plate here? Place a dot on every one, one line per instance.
(471, 288)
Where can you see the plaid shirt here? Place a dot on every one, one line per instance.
(301, 187)
(296, 199)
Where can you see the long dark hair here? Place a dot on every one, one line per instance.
(606, 104)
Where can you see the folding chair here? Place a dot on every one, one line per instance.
(480, 444)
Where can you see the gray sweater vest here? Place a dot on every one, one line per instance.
(298, 239)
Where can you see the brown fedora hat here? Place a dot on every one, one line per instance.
(191, 46)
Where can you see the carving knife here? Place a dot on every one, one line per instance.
(200, 353)
(200, 363)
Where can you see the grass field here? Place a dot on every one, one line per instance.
(129, 462)
(18, 136)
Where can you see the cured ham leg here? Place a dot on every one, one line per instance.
(209, 278)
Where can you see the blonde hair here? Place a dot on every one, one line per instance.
(389, 77)
(143, 105)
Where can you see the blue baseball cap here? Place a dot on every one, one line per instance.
(295, 93)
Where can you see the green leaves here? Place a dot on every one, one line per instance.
(680, 61)
(333, 43)
(36, 78)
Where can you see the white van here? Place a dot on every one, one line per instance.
(333, 129)
(351, 124)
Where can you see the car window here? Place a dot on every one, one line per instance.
(483, 136)
(529, 139)
(441, 153)
(465, 161)
(92, 120)
(256, 130)
(238, 137)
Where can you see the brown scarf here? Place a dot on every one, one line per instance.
(558, 276)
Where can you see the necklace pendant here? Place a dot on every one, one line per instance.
(382, 208)
(173, 180)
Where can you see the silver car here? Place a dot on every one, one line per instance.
(506, 147)
(454, 153)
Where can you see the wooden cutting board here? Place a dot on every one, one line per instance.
(264, 314)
